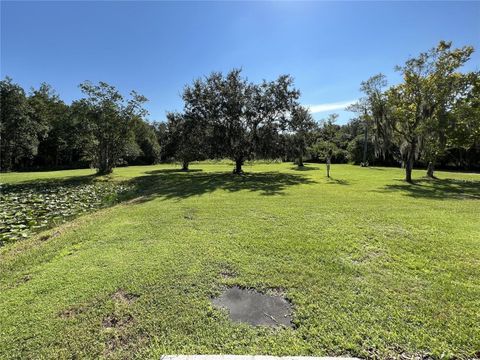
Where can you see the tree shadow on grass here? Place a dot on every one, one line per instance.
(56, 200)
(305, 168)
(180, 185)
(168, 171)
(333, 181)
(52, 183)
(439, 189)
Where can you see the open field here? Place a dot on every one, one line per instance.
(374, 267)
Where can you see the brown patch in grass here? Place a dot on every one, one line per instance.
(118, 322)
(368, 254)
(49, 236)
(121, 338)
(190, 214)
(277, 291)
(398, 354)
(227, 271)
(71, 312)
(121, 296)
(228, 274)
(121, 345)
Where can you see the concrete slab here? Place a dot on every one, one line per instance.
(254, 308)
(249, 357)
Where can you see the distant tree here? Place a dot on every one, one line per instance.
(188, 138)
(55, 135)
(19, 131)
(449, 87)
(418, 104)
(301, 124)
(328, 130)
(287, 147)
(131, 152)
(162, 134)
(413, 115)
(331, 141)
(146, 139)
(322, 150)
(463, 123)
(372, 110)
(408, 112)
(237, 109)
(45, 107)
(356, 151)
(328, 161)
(83, 140)
(271, 145)
(110, 122)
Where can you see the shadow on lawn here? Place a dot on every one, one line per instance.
(171, 184)
(38, 205)
(51, 183)
(304, 168)
(439, 189)
(333, 181)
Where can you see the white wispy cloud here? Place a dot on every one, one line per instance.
(318, 108)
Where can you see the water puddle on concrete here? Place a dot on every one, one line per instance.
(254, 308)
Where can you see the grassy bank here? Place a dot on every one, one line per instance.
(373, 266)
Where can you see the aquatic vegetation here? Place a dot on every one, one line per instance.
(27, 208)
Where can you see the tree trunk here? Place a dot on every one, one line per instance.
(105, 165)
(430, 170)
(365, 146)
(300, 160)
(408, 172)
(185, 166)
(409, 163)
(238, 167)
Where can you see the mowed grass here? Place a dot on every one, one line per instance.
(374, 267)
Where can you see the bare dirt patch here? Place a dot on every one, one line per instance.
(114, 321)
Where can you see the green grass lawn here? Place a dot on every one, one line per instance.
(374, 267)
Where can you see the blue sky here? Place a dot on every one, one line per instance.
(158, 47)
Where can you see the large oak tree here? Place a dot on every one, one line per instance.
(237, 110)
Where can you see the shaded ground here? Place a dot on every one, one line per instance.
(174, 184)
(27, 207)
(441, 189)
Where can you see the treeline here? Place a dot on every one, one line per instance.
(225, 116)
(431, 117)
(102, 130)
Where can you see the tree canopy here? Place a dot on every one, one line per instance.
(431, 117)
(238, 111)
